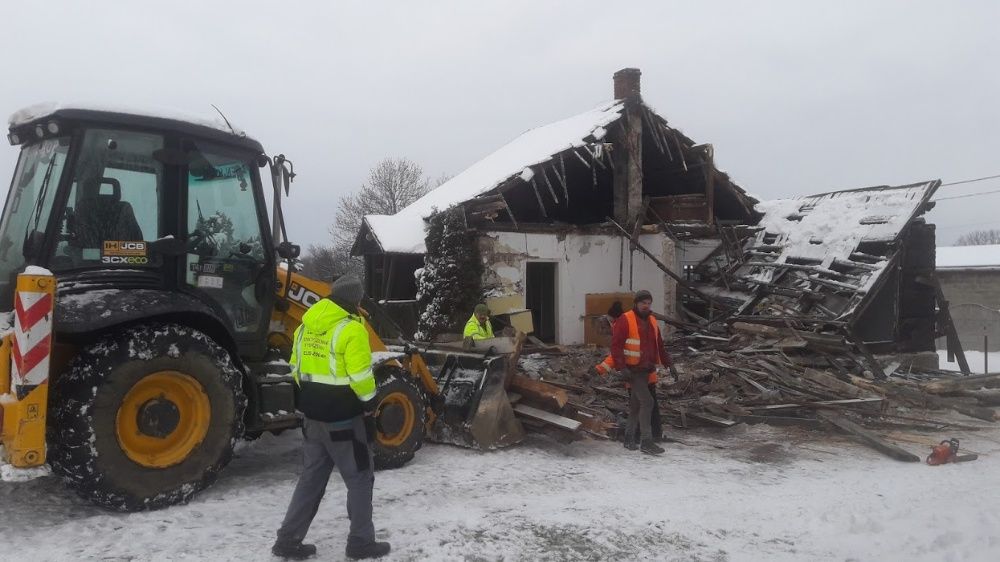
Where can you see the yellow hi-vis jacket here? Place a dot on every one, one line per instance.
(332, 363)
(476, 331)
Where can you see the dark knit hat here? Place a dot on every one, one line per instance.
(347, 289)
(643, 295)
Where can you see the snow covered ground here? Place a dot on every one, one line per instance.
(754, 493)
(976, 359)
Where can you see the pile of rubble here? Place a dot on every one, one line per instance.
(759, 374)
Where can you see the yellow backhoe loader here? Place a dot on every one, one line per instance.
(152, 304)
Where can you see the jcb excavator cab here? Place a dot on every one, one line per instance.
(158, 205)
(166, 336)
(155, 229)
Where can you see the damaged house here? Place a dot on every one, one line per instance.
(575, 215)
(542, 208)
(848, 270)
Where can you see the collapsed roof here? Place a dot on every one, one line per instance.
(565, 159)
(819, 260)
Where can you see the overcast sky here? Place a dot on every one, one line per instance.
(797, 97)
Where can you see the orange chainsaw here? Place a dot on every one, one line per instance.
(947, 452)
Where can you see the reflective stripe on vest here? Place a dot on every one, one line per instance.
(331, 377)
(633, 351)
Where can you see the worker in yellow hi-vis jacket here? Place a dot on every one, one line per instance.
(478, 327)
(332, 364)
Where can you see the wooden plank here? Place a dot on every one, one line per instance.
(715, 420)
(539, 391)
(567, 386)
(820, 404)
(585, 409)
(512, 360)
(945, 386)
(868, 437)
(833, 383)
(782, 421)
(547, 417)
(867, 385)
(599, 303)
(984, 397)
(612, 392)
(944, 317)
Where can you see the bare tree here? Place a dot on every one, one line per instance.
(320, 263)
(441, 180)
(392, 184)
(979, 238)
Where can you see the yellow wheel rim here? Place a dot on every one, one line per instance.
(405, 417)
(162, 419)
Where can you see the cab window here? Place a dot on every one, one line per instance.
(225, 256)
(113, 207)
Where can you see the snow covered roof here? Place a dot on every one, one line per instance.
(837, 245)
(42, 110)
(403, 232)
(969, 257)
(831, 225)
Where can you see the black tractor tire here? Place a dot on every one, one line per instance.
(400, 417)
(85, 446)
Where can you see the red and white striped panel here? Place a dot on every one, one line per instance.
(32, 338)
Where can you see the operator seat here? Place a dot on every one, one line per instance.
(101, 217)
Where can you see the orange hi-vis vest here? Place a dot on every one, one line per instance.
(632, 349)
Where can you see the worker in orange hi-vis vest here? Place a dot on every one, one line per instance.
(636, 352)
(607, 367)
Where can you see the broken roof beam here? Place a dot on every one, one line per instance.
(541, 205)
(868, 437)
(510, 212)
(680, 281)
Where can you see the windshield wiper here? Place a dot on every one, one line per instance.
(27, 247)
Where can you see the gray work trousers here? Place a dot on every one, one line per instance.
(640, 406)
(348, 450)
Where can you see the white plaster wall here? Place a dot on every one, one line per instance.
(586, 264)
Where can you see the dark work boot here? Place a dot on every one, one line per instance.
(371, 550)
(293, 550)
(651, 448)
(631, 444)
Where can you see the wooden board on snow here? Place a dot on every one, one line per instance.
(547, 417)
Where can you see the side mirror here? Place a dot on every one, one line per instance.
(288, 251)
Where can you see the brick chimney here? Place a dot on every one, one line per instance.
(627, 83)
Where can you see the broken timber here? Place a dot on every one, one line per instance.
(868, 437)
(547, 417)
(680, 281)
(539, 391)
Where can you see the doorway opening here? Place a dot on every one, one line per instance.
(540, 298)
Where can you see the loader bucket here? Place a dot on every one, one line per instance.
(476, 411)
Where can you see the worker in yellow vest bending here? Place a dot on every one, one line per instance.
(478, 327)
